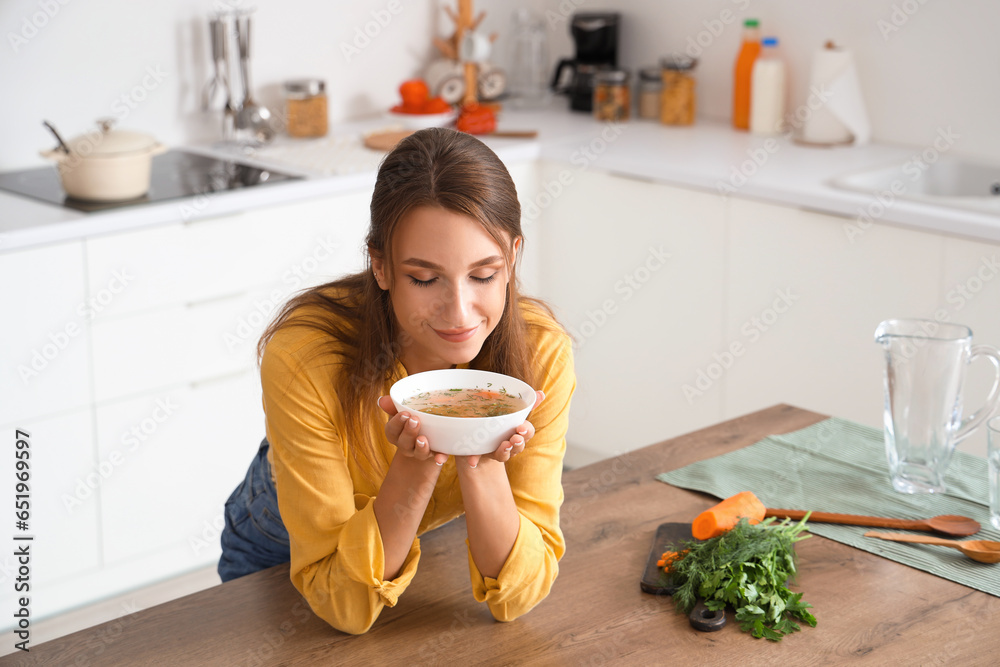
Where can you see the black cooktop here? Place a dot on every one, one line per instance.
(175, 174)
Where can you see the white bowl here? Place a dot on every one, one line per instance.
(463, 436)
(420, 121)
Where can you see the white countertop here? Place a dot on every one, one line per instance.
(701, 156)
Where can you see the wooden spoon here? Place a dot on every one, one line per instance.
(983, 551)
(946, 524)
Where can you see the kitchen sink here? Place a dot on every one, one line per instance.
(949, 181)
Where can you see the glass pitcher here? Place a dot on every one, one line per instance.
(926, 362)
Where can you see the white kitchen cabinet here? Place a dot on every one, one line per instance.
(527, 179)
(44, 335)
(971, 296)
(181, 452)
(179, 344)
(287, 247)
(636, 272)
(805, 300)
(64, 489)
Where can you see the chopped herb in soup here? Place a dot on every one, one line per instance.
(466, 402)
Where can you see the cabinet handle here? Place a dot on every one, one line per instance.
(196, 384)
(224, 297)
(640, 179)
(196, 217)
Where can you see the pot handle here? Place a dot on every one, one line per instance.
(52, 154)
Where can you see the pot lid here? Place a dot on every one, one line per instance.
(105, 142)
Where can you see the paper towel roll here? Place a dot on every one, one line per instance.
(838, 109)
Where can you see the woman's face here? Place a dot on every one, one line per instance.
(449, 287)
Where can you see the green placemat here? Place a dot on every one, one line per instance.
(840, 466)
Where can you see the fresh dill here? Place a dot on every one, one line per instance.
(746, 568)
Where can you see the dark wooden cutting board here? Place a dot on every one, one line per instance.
(667, 535)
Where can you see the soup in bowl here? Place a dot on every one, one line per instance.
(464, 411)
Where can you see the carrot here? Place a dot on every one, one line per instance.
(720, 518)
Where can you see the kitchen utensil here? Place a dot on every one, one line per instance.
(251, 116)
(669, 535)
(62, 144)
(926, 362)
(218, 86)
(106, 164)
(529, 60)
(982, 551)
(947, 524)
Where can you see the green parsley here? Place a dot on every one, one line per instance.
(746, 568)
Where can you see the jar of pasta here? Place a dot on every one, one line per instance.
(305, 107)
(611, 95)
(678, 102)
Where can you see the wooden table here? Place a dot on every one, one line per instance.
(870, 610)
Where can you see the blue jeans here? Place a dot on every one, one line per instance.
(254, 537)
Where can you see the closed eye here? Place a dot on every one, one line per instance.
(485, 281)
(421, 283)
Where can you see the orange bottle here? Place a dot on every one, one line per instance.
(744, 69)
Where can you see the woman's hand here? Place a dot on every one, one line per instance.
(508, 449)
(403, 430)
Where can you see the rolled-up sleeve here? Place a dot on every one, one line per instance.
(536, 482)
(337, 559)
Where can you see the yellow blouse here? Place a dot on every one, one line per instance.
(326, 503)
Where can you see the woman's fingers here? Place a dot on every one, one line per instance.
(387, 405)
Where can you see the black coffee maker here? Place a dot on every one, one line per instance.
(596, 37)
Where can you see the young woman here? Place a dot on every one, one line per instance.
(342, 485)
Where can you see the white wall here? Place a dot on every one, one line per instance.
(940, 68)
(76, 67)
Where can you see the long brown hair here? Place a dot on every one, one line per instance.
(433, 167)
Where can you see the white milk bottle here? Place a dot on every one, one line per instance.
(767, 97)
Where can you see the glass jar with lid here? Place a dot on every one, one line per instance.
(650, 88)
(678, 102)
(306, 108)
(612, 95)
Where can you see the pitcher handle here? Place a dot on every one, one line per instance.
(972, 422)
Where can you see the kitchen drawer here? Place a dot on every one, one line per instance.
(313, 241)
(180, 344)
(44, 336)
(293, 245)
(180, 453)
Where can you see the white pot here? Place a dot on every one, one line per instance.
(106, 164)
